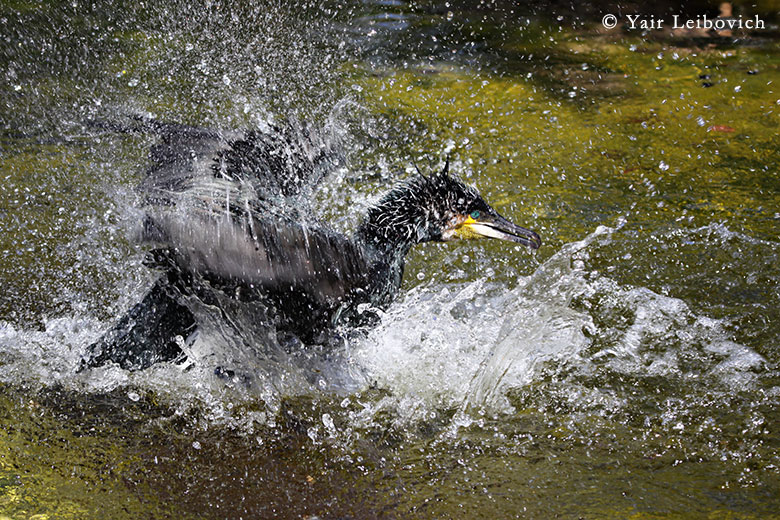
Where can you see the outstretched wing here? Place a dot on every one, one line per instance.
(267, 255)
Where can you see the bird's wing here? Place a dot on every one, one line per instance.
(287, 159)
(232, 205)
(268, 255)
(261, 171)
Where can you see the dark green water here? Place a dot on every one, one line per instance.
(628, 369)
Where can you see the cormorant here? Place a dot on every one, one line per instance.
(225, 210)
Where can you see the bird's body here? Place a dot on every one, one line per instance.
(228, 214)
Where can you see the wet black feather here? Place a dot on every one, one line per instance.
(225, 210)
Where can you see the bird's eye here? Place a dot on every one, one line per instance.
(475, 215)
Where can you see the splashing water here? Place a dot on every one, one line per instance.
(463, 348)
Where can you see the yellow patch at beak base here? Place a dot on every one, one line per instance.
(465, 231)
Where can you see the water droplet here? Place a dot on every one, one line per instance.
(327, 420)
(421, 276)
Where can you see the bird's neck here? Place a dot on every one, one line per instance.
(392, 227)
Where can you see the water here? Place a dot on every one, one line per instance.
(629, 367)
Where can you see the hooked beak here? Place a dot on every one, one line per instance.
(496, 226)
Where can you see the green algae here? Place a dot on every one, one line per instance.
(51, 469)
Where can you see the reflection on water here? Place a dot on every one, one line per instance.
(629, 368)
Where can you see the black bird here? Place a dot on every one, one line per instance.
(226, 211)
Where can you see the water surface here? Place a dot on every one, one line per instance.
(627, 368)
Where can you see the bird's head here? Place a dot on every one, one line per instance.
(440, 208)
